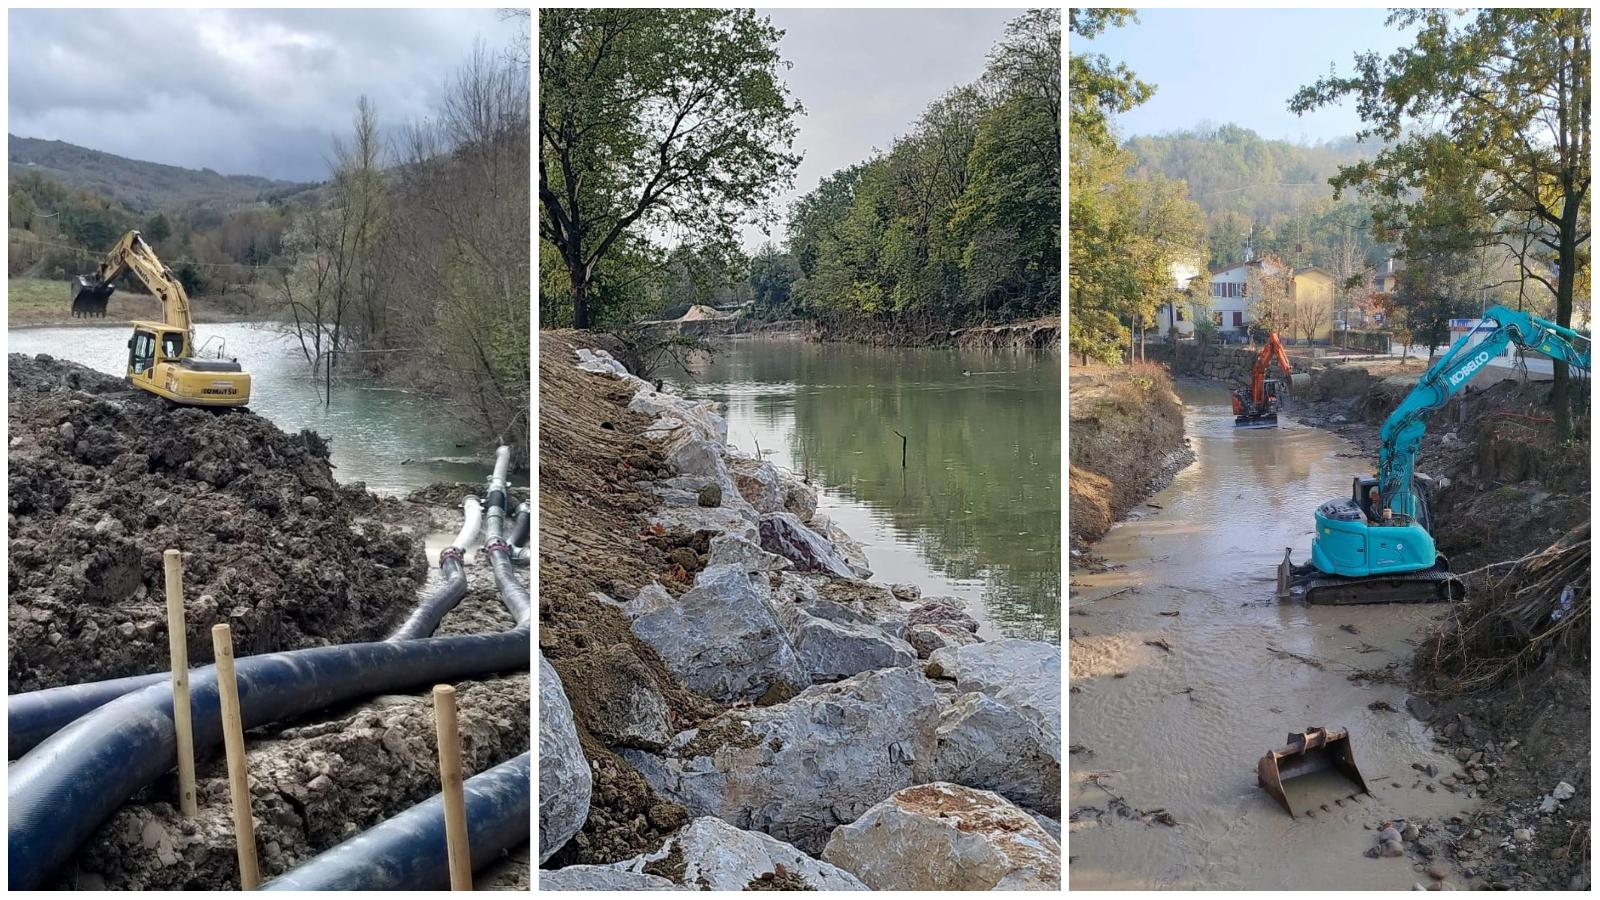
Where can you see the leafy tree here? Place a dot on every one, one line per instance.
(772, 277)
(1098, 89)
(1507, 93)
(652, 119)
(157, 228)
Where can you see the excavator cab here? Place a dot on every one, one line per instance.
(89, 298)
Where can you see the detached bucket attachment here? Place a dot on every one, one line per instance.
(89, 298)
(1316, 749)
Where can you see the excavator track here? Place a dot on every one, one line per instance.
(1307, 583)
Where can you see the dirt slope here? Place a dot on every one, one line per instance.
(1125, 442)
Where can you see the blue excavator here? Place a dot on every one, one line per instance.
(1377, 546)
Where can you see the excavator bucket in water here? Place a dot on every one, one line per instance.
(1316, 749)
(89, 298)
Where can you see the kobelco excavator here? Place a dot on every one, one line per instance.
(1377, 546)
(162, 358)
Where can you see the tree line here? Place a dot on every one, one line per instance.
(663, 130)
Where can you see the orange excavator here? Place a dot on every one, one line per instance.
(1257, 405)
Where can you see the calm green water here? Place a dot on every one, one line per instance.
(976, 512)
(393, 440)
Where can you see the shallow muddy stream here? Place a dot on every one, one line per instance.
(1180, 730)
(392, 440)
(975, 512)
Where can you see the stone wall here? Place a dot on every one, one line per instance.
(1230, 364)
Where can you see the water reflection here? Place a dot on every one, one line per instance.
(975, 512)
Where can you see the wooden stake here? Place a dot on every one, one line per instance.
(455, 803)
(178, 650)
(902, 449)
(244, 827)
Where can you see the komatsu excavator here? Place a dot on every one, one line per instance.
(1257, 406)
(1377, 546)
(162, 358)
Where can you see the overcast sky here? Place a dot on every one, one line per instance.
(244, 92)
(864, 76)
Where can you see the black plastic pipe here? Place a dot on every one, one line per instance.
(33, 716)
(519, 528)
(424, 620)
(408, 852)
(512, 593)
(59, 793)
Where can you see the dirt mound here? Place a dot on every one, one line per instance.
(591, 518)
(1127, 429)
(103, 479)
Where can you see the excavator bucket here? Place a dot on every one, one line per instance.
(89, 298)
(1298, 383)
(1316, 749)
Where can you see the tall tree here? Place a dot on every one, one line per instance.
(1501, 96)
(652, 119)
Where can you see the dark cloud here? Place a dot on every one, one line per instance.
(260, 92)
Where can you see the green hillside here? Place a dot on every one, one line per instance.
(144, 187)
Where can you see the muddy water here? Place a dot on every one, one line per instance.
(1182, 730)
(393, 441)
(975, 512)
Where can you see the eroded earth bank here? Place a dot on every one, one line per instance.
(727, 701)
(104, 479)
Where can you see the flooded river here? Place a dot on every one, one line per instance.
(975, 513)
(394, 441)
(1181, 730)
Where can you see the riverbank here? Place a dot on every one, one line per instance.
(731, 685)
(1512, 491)
(1127, 442)
(32, 302)
(103, 480)
(1035, 334)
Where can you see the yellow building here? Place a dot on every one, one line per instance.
(1315, 290)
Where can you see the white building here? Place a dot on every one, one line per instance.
(1176, 310)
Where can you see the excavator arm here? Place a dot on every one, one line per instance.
(1273, 349)
(1402, 431)
(91, 293)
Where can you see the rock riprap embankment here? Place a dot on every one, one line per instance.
(871, 739)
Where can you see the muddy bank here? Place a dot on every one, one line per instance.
(1035, 334)
(736, 689)
(103, 479)
(1127, 443)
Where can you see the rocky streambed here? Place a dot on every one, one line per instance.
(790, 723)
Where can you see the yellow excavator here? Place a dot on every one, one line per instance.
(162, 357)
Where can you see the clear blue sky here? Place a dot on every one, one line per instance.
(1241, 66)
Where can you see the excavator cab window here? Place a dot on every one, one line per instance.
(141, 352)
(171, 345)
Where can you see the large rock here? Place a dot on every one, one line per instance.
(945, 837)
(1024, 675)
(603, 878)
(722, 639)
(622, 703)
(942, 611)
(927, 638)
(758, 483)
(984, 743)
(564, 779)
(784, 534)
(797, 769)
(833, 643)
(719, 857)
(847, 546)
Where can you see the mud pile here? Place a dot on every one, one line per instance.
(103, 479)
